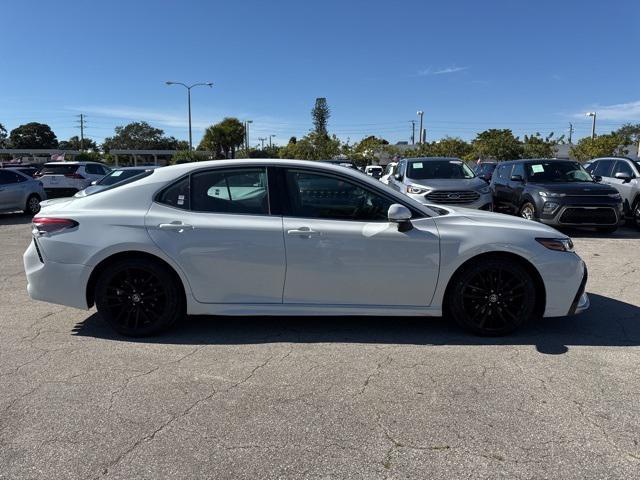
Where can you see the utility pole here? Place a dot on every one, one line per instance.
(570, 132)
(246, 134)
(262, 139)
(420, 113)
(424, 136)
(81, 122)
(413, 132)
(270, 137)
(593, 124)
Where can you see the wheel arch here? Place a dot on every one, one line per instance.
(136, 254)
(514, 257)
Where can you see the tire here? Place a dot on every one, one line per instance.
(528, 211)
(122, 289)
(492, 297)
(33, 204)
(636, 214)
(606, 229)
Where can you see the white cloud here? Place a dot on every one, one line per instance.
(440, 71)
(620, 111)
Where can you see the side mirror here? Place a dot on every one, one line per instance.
(397, 176)
(517, 178)
(401, 215)
(597, 178)
(623, 176)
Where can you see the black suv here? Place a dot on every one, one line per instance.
(555, 192)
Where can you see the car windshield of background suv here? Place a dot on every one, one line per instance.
(439, 169)
(559, 172)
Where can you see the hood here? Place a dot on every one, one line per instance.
(575, 188)
(491, 219)
(475, 183)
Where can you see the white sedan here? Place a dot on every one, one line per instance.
(286, 237)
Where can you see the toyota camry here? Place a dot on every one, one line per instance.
(286, 237)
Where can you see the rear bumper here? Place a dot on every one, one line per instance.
(60, 283)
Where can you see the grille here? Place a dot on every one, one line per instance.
(455, 198)
(592, 216)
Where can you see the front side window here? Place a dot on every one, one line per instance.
(518, 169)
(623, 167)
(504, 172)
(7, 177)
(438, 169)
(314, 195)
(241, 191)
(603, 168)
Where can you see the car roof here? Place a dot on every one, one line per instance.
(139, 167)
(428, 159)
(49, 164)
(524, 160)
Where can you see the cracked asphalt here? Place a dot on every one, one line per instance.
(245, 398)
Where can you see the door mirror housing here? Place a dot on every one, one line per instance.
(517, 178)
(623, 176)
(597, 178)
(397, 176)
(400, 215)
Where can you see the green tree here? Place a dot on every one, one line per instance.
(363, 152)
(450, 147)
(313, 146)
(185, 156)
(497, 144)
(3, 137)
(537, 146)
(74, 144)
(600, 146)
(139, 136)
(33, 135)
(223, 138)
(320, 115)
(630, 133)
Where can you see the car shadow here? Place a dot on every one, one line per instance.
(608, 322)
(17, 218)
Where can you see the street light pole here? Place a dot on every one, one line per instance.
(420, 113)
(189, 87)
(270, 137)
(246, 133)
(593, 124)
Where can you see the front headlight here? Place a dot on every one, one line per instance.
(551, 194)
(615, 196)
(485, 189)
(557, 244)
(550, 207)
(416, 190)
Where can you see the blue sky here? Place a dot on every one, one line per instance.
(470, 65)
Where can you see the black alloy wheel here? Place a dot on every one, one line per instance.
(138, 297)
(492, 297)
(33, 205)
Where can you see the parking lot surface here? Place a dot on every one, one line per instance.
(323, 397)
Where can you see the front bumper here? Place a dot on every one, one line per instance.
(53, 282)
(579, 213)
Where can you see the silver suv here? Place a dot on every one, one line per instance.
(20, 192)
(441, 180)
(624, 175)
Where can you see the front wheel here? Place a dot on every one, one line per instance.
(33, 205)
(492, 297)
(528, 211)
(139, 297)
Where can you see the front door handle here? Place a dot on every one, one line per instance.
(175, 226)
(303, 232)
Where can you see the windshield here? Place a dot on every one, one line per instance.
(117, 176)
(132, 178)
(557, 171)
(435, 169)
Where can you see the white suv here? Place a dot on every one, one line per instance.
(65, 179)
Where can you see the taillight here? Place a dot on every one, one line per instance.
(45, 225)
(75, 176)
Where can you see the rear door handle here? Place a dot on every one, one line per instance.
(175, 226)
(303, 232)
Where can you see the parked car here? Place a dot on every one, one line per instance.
(389, 171)
(485, 169)
(209, 238)
(555, 192)
(441, 180)
(20, 192)
(30, 170)
(64, 179)
(374, 171)
(116, 175)
(623, 174)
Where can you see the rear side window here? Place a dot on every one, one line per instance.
(62, 169)
(176, 195)
(241, 191)
(603, 168)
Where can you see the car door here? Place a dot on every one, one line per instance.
(216, 225)
(399, 170)
(516, 187)
(342, 250)
(500, 186)
(627, 188)
(11, 190)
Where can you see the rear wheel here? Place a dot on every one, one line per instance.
(528, 211)
(139, 297)
(492, 297)
(33, 205)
